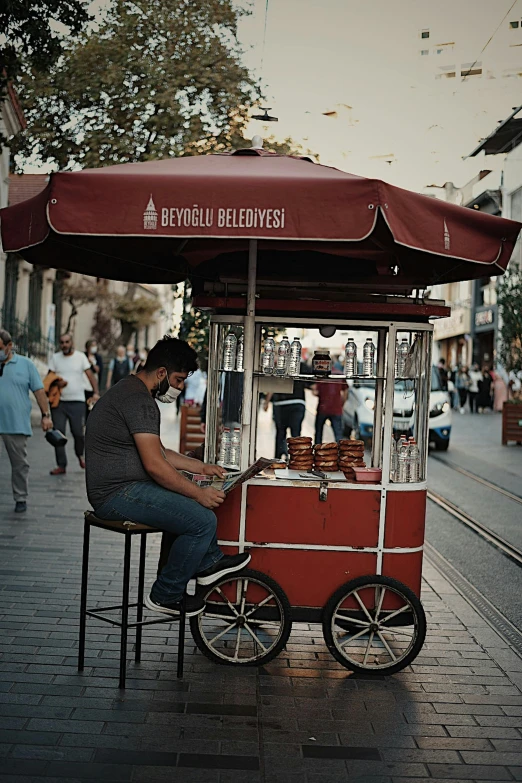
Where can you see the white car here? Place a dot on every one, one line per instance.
(360, 402)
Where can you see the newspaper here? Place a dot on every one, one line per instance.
(231, 480)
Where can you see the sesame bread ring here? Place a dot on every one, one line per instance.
(295, 441)
(350, 442)
(326, 447)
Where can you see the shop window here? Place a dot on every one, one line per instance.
(514, 25)
(425, 52)
(425, 34)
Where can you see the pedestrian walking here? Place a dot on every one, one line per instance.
(484, 396)
(332, 397)
(71, 366)
(96, 361)
(142, 359)
(462, 382)
(120, 367)
(500, 388)
(288, 411)
(443, 373)
(19, 376)
(130, 475)
(474, 377)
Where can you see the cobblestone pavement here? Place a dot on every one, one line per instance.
(454, 715)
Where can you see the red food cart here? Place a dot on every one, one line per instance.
(270, 243)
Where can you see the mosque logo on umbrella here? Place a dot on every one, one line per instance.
(150, 216)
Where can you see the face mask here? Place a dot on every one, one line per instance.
(93, 349)
(3, 356)
(143, 356)
(166, 392)
(130, 353)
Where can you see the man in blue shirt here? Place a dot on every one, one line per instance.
(19, 376)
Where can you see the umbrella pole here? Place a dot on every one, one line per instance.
(249, 344)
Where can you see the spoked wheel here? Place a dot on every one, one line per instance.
(374, 624)
(247, 620)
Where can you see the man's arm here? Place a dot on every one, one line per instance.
(165, 474)
(43, 404)
(180, 462)
(94, 381)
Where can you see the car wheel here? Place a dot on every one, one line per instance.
(441, 445)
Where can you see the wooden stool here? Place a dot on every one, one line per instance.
(128, 529)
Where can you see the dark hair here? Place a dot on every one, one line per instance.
(442, 361)
(173, 354)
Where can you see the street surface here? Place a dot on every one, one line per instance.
(454, 715)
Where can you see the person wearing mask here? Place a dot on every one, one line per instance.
(132, 354)
(91, 352)
(462, 386)
(475, 376)
(72, 367)
(119, 367)
(142, 358)
(19, 376)
(131, 476)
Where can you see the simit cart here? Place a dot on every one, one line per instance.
(271, 242)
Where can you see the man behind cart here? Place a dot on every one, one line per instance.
(131, 476)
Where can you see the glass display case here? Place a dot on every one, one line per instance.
(383, 369)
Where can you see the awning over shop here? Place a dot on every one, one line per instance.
(161, 221)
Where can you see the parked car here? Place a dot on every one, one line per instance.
(360, 402)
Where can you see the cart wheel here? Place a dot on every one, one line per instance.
(247, 620)
(374, 624)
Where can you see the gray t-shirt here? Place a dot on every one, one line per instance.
(111, 457)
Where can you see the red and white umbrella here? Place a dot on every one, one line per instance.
(162, 221)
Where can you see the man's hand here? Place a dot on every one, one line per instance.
(95, 398)
(47, 423)
(61, 383)
(213, 470)
(210, 497)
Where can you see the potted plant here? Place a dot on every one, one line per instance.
(509, 298)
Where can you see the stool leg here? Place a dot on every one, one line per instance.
(83, 595)
(141, 585)
(125, 609)
(181, 637)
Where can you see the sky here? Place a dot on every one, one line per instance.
(361, 59)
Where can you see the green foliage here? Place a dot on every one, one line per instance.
(31, 31)
(194, 327)
(509, 298)
(157, 78)
(135, 312)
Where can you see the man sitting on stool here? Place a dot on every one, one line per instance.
(130, 476)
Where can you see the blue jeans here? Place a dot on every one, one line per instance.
(335, 421)
(195, 547)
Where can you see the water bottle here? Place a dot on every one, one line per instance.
(414, 460)
(368, 357)
(283, 357)
(225, 447)
(402, 351)
(294, 364)
(403, 461)
(235, 449)
(229, 352)
(393, 460)
(268, 357)
(350, 359)
(240, 354)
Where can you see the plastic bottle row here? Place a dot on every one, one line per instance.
(404, 461)
(230, 448)
(233, 353)
(284, 359)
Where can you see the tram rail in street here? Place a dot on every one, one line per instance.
(500, 543)
(479, 479)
